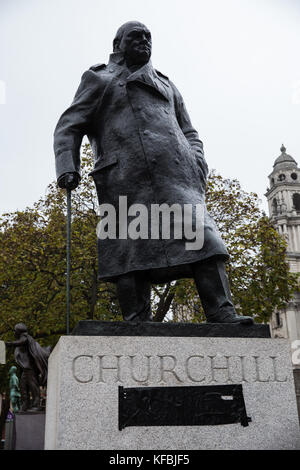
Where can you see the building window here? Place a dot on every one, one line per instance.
(294, 176)
(281, 177)
(278, 322)
(274, 206)
(296, 201)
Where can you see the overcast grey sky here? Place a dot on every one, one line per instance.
(236, 63)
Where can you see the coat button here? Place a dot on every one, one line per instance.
(171, 133)
(111, 69)
(146, 132)
(154, 160)
(177, 161)
(121, 83)
(139, 107)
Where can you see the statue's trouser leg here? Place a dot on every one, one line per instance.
(14, 403)
(213, 288)
(134, 291)
(214, 292)
(25, 399)
(34, 388)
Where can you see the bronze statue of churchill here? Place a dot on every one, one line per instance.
(146, 149)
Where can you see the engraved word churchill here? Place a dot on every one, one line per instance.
(168, 369)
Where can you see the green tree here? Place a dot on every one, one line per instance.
(258, 270)
(33, 266)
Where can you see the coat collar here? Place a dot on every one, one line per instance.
(149, 77)
(146, 75)
(117, 58)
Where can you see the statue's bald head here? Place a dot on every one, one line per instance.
(123, 30)
(133, 39)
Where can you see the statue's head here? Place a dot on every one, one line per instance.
(12, 370)
(19, 329)
(133, 39)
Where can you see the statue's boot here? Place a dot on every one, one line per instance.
(35, 405)
(25, 406)
(213, 288)
(134, 297)
(228, 316)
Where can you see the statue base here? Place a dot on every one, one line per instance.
(138, 386)
(29, 430)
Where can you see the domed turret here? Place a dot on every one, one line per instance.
(284, 191)
(284, 160)
(284, 199)
(285, 170)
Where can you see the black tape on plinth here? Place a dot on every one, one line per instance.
(182, 406)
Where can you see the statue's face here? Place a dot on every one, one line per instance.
(136, 45)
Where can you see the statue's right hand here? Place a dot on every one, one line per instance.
(68, 181)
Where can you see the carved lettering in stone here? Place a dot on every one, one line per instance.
(109, 365)
(133, 367)
(194, 361)
(243, 368)
(167, 365)
(167, 369)
(263, 373)
(276, 376)
(85, 364)
(214, 368)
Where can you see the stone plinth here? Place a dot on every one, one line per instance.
(86, 374)
(2, 352)
(30, 430)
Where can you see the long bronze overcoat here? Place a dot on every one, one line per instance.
(145, 148)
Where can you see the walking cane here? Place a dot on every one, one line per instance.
(68, 258)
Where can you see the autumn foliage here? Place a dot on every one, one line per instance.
(33, 264)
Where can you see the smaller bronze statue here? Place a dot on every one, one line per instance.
(33, 360)
(14, 388)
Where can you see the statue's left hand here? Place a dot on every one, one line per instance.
(69, 180)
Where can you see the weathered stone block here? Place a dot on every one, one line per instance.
(30, 431)
(85, 373)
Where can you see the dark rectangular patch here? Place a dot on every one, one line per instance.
(182, 406)
(168, 329)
